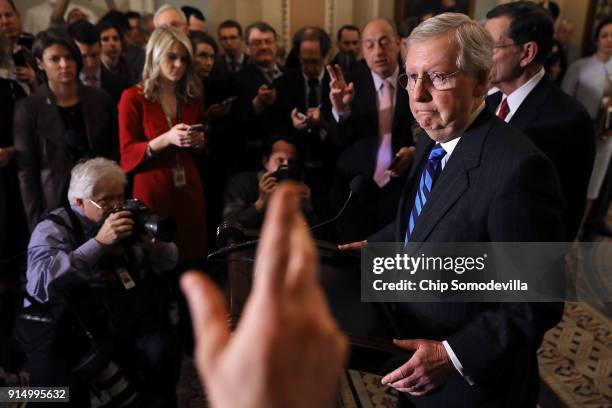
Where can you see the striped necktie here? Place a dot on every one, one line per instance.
(428, 177)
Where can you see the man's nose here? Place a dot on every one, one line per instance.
(420, 92)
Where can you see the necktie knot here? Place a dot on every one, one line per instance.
(437, 153)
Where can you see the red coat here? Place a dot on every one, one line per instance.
(140, 121)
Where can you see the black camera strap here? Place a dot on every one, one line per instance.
(75, 226)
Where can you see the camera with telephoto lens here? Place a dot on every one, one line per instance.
(145, 222)
(289, 171)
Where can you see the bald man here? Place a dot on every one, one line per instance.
(373, 126)
(171, 16)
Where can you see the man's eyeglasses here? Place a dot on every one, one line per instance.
(439, 80)
(257, 43)
(108, 203)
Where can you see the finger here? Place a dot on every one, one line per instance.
(339, 73)
(350, 88)
(208, 316)
(407, 344)
(413, 381)
(273, 252)
(399, 373)
(302, 268)
(331, 72)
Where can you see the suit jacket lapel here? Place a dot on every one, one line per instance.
(453, 181)
(89, 117)
(401, 114)
(370, 103)
(48, 117)
(529, 108)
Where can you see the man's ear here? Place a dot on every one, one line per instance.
(530, 50)
(80, 203)
(264, 162)
(482, 84)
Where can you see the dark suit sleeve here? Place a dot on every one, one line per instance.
(110, 132)
(27, 146)
(528, 207)
(239, 202)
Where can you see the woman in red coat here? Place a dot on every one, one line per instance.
(157, 141)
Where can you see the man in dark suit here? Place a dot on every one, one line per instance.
(93, 73)
(255, 91)
(233, 59)
(372, 125)
(555, 122)
(473, 179)
(301, 94)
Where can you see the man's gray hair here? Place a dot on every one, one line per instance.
(85, 176)
(167, 7)
(475, 44)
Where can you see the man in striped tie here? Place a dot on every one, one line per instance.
(473, 179)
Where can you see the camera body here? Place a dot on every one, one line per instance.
(145, 222)
(290, 171)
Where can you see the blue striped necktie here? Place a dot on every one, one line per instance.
(428, 177)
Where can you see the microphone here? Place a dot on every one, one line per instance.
(356, 187)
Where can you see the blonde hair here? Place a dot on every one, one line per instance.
(190, 86)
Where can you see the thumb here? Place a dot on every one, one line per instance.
(349, 87)
(407, 344)
(208, 315)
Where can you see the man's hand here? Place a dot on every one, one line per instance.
(267, 184)
(428, 368)
(6, 154)
(404, 159)
(116, 227)
(27, 75)
(312, 118)
(353, 246)
(299, 122)
(340, 94)
(287, 350)
(264, 98)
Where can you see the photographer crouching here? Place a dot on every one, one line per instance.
(248, 193)
(94, 317)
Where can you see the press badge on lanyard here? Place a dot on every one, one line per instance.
(179, 174)
(126, 279)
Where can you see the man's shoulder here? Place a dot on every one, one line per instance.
(560, 104)
(245, 178)
(505, 141)
(56, 222)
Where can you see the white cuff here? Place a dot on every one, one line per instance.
(457, 363)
